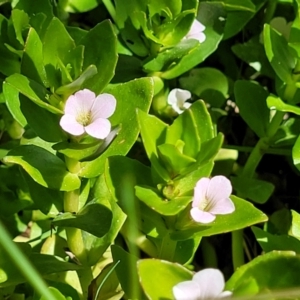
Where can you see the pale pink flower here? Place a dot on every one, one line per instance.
(211, 197)
(206, 284)
(84, 112)
(177, 99)
(196, 32)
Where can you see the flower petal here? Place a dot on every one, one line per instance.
(172, 99)
(219, 188)
(200, 36)
(222, 207)
(211, 282)
(201, 216)
(69, 124)
(200, 191)
(104, 106)
(225, 294)
(187, 105)
(177, 98)
(99, 129)
(196, 27)
(186, 290)
(79, 103)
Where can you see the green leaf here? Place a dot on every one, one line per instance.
(32, 90)
(276, 103)
(136, 94)
(251, 101)
(159, 203)
(208, 84)
(13, 103)
(51, 130)
(133, 40)
(174, 160)
(77, 83)
(128, 280)
(281, 56)
(102, 54)
(296, 153)
(45, 264)
(124, 173)
(209, 15)
(203, 121)
(153, 132)
(238, 14)
(270, 242)
(95, 246)
(186, 183)
(79, 6)
(120, 168)
(166, 58)
(44, 167)
(76, 150)
(93, 218)
(157, 6)
(20, 21)
(32, 60)
(209, 150)
(295, 226)
(56, 293)
(172, 32)
(166, 275)
(185, 128)
(253, 53)
(10, 59)
(261, 274)
(48, 201)
(245, 215)
(185, 250)
(55, 50)
(287, 133)
(258, 191)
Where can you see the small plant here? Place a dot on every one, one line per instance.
(149, 149)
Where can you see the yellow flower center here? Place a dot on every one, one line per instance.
(84, 118)
(203, 204)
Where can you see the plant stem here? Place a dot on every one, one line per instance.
(270, 10)
(209, 254)
(167, 248)
(248, 171)
(85, 277)
(74, 235)
(112, 11)
(237, 249)
(23, 264)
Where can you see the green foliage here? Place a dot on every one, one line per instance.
(251, 279)
(111, 218)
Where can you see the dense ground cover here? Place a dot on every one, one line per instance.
(149, 149)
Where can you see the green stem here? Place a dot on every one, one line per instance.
(74, 235)
(85, 277)
(237, 249)
(209, 254)
(112, 11)
(23, 264)
(248, 171)
(279, 151)
(167, 248)
(270, 10)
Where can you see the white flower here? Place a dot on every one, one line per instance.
(211, 197)
(84, 112)
(196, 32)
(206, 284)
(177, 98)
